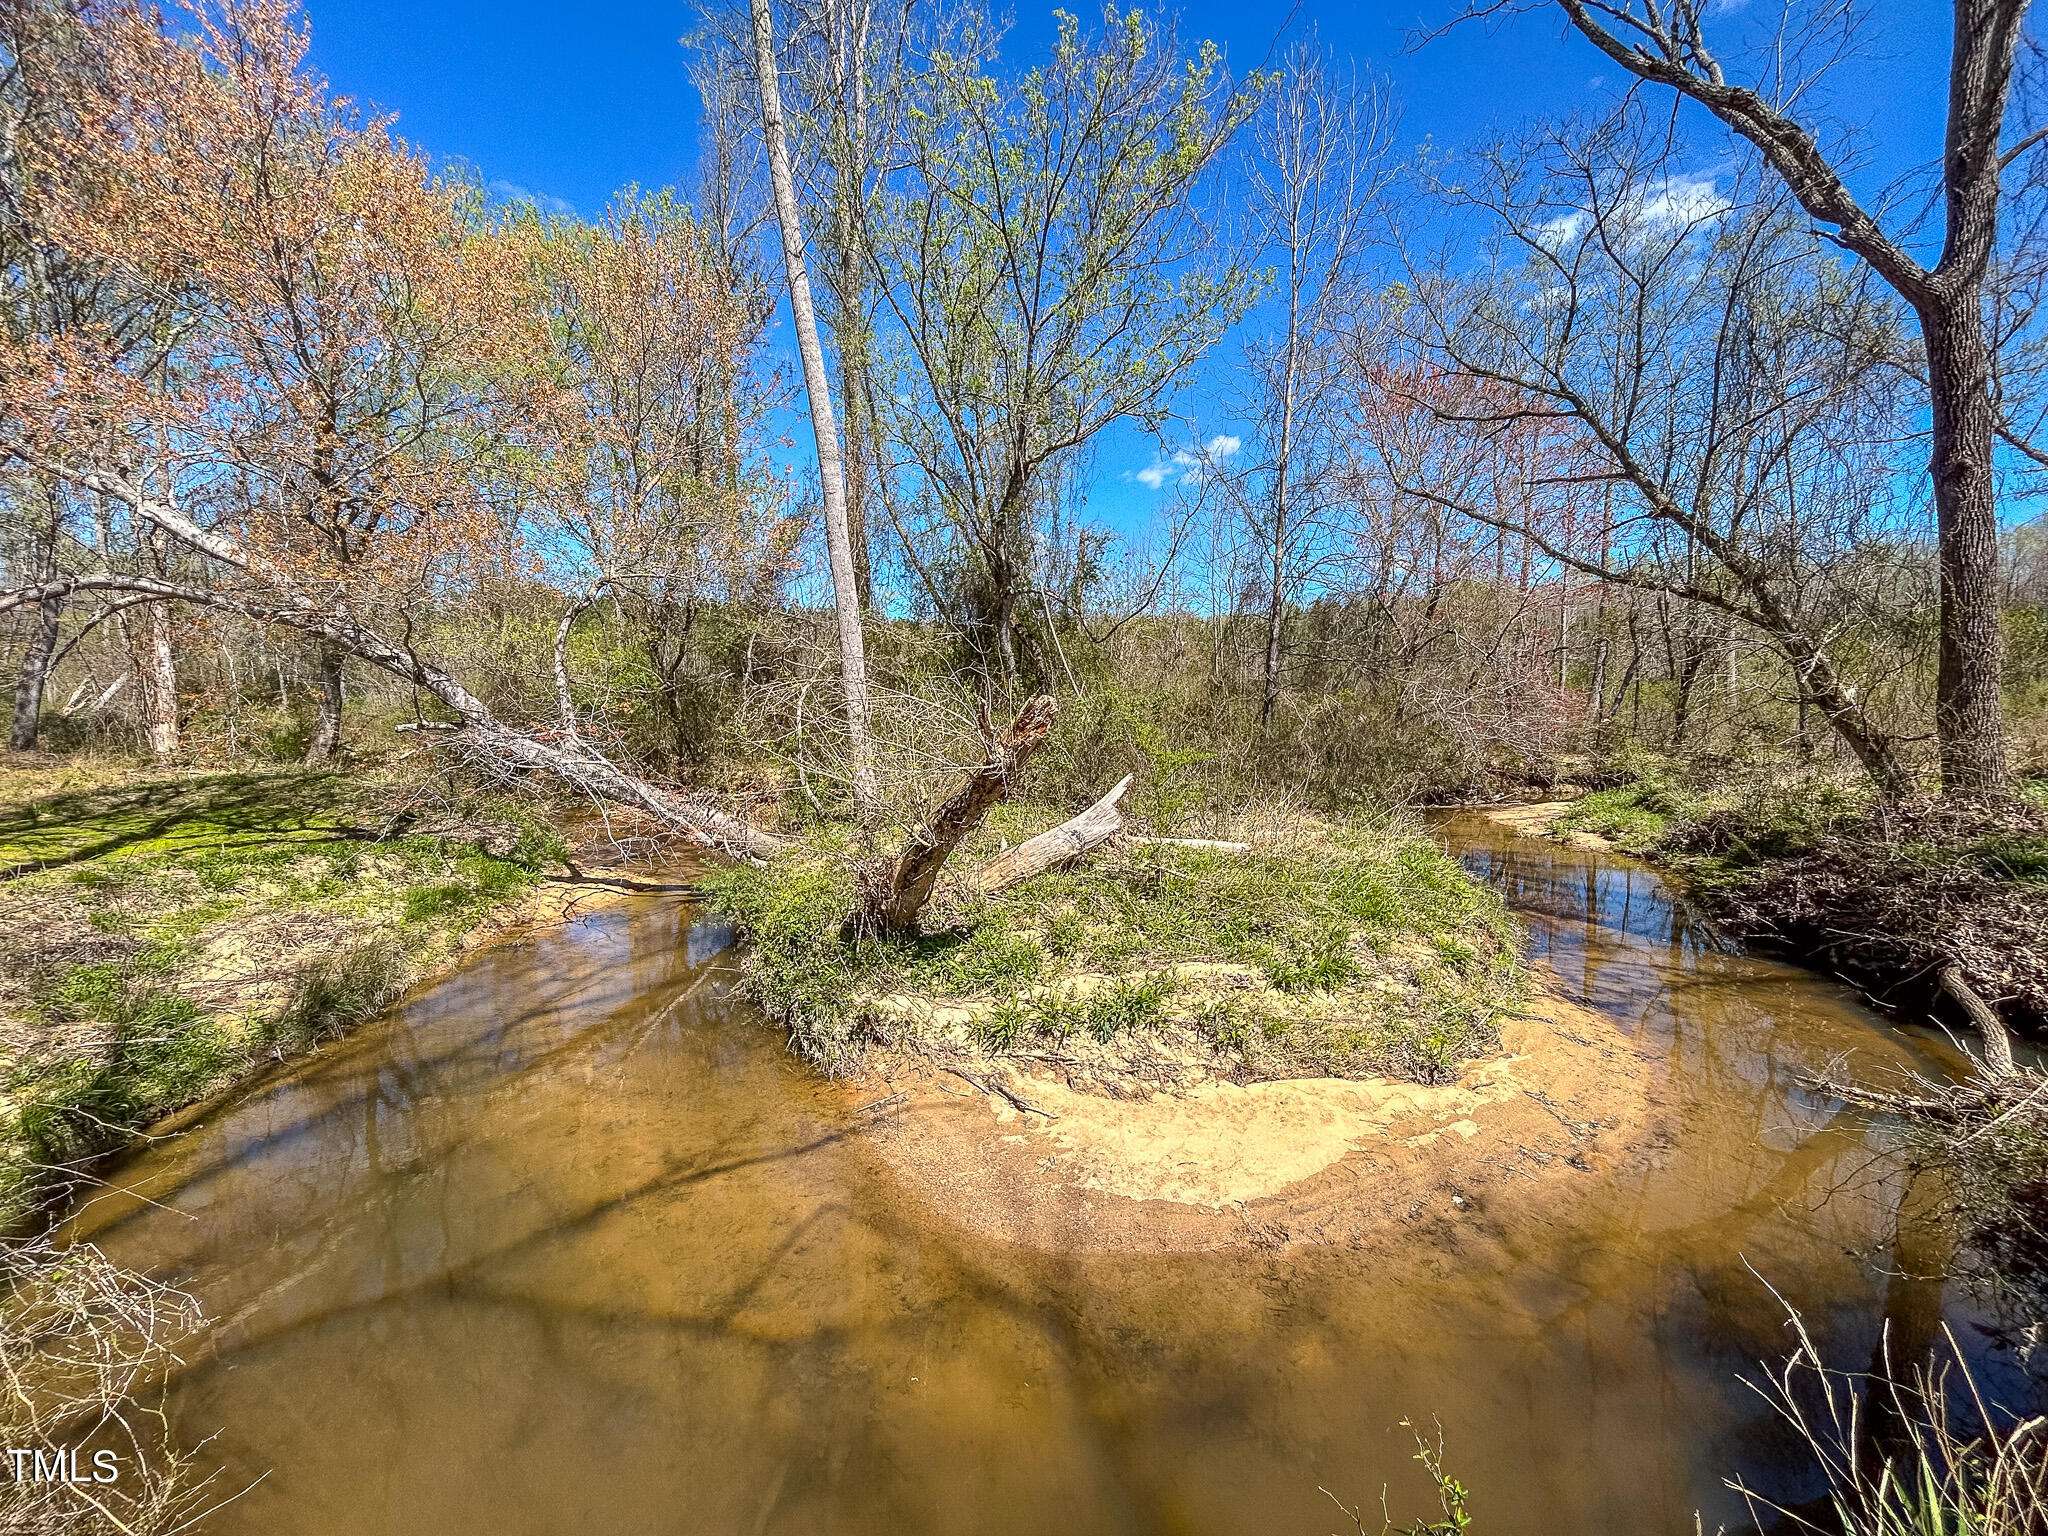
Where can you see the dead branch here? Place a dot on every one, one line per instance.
(1063, 843)
(1204, 844)
(996, 1090)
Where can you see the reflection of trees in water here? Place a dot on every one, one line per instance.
(1923, 1252)
(1740, 1054)
(786, 1289)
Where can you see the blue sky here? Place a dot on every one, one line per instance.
(568, 103)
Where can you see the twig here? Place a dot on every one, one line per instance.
(994, 1087)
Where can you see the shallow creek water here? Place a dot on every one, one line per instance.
(568, 1243)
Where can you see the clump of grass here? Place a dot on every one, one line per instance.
(339, 990)
(1357, 949)
(1319, 961)
(1944, 1462)
(1638, 816)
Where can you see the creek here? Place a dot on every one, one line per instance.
(569, 1243)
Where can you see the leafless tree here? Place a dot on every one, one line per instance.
(1640, 354)
(1769, 101)
(1318, 164)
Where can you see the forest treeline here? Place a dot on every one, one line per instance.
(1634, 432)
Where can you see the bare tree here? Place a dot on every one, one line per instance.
(824, 430)
(1666, 44)
(1319, 163)
(1641, 357)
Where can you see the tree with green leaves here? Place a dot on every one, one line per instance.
(1046, 267)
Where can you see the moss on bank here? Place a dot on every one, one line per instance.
(1348, 951)
(161, 935)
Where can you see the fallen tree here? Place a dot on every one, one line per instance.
(272, 596)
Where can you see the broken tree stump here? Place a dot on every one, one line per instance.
(893, 894)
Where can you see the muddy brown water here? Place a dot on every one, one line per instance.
(568, 1243)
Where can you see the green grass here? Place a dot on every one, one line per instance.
(160, 937)
(1635, 817)
(1364, 949)
(2013, 856)
(1719, 831)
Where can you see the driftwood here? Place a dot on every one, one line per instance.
(1998, 1059)
(1069, 840)
(894, 894)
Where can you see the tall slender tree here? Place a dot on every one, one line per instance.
(1319, 163)
(824, 429)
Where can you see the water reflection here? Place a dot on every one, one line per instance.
(569, 1243)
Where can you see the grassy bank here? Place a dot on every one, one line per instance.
(162, 935)
(1351, 951)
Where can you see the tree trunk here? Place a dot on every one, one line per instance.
(326, 738)
(1969, 707)
(1276, 551)
(1006, 637)
(34, 675)
(894, 895)
(860, 424)
(160, 684)
(1947, 299)
(1998, 1058)
(1819, 683)
(831, 475)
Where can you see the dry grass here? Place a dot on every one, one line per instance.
(1923, 1454)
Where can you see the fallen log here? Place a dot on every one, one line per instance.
(892, 895)
(490, 744)
(1063, 843)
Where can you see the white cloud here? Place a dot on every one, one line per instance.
(1679, 204)
(1563, 230)
(1188, 466)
